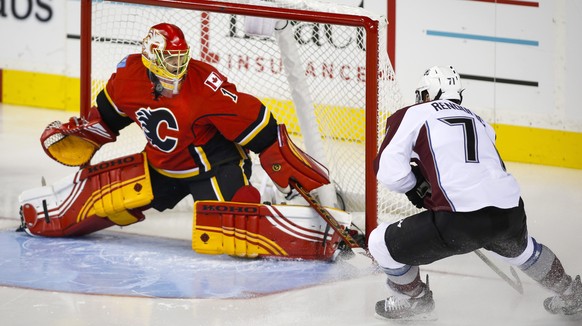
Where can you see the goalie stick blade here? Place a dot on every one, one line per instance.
(358, 258)
(325, 214)
(352, 253)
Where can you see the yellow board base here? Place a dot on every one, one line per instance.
(41, 90)
(515, 143)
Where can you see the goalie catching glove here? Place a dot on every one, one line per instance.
(283, 161)
(75, 142)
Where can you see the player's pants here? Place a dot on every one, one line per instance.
(220, 183)
(430, 236)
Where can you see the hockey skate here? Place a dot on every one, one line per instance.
(569, 303)
(407, 308)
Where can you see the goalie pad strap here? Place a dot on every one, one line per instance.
(96, 197)
(284, 160)
(256, 230)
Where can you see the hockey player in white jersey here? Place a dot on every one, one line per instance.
(443, 157)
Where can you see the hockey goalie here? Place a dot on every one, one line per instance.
(199, 130)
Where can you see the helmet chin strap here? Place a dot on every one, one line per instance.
(176, 87)
(158, 88)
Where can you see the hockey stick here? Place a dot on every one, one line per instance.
(515, 284)
(331, 221)
(357, 249)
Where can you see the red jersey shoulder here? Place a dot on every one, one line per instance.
(206, 76)
(130, 66)
(129, 81)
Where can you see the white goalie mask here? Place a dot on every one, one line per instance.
(166, 54)
(439, 83)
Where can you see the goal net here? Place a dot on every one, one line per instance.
(321, 68)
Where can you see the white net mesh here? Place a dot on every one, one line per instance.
(312, 75)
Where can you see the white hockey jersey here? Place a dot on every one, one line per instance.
(455, 150)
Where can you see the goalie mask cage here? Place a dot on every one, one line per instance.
(321, 68)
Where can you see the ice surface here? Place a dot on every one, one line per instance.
(466, 291)
(114, 263)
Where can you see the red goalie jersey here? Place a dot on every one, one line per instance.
(198, 127)
(207, 124)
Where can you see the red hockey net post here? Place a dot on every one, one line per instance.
(333, 88)
(85, 57)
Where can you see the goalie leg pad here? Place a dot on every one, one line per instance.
(256, 230)
(98, 196)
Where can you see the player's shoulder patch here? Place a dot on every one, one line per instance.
(213, 81)
(122, 63)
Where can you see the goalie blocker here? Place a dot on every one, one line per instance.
(256, 230)
(284, 161)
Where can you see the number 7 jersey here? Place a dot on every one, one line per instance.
(456, 152)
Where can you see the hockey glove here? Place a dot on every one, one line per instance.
(420, 190)
(73, 143)
(283, 160)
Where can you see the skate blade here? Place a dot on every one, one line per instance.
(426, 317)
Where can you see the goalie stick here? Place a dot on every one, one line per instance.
(350, 242)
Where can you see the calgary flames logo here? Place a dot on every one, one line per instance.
(156, 125)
